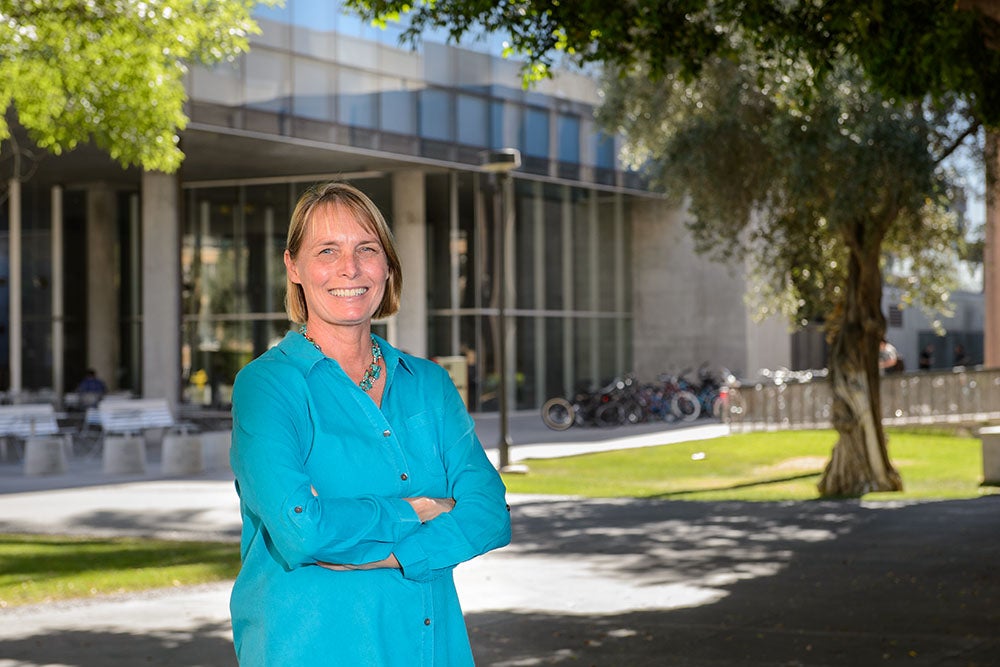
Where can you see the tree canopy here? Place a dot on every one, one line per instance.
(909, 48)
(111, 71)
(783, 186)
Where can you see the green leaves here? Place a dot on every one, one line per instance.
(792, 173)
(112, 71)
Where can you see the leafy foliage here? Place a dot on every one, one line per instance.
(112, 71)
(908, 48)
(791, 185)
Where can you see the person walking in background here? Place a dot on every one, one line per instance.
(887, 357)
(362, 482)
(959, 357)
(926, 360)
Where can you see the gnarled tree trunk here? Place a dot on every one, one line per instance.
(860, 462)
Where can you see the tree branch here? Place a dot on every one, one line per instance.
(959, 140)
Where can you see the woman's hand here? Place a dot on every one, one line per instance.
(390, 563)
(430, 508)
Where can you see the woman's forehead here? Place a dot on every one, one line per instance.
(333, 218)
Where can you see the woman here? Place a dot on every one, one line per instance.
(361, 480)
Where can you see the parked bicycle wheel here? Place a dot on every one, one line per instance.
(685, 406)
(558, 414)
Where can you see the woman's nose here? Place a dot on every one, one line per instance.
(348, 265)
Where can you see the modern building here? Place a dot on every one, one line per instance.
(168, 284)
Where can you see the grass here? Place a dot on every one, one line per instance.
(935, 465)
(42, 568)
(786, 465)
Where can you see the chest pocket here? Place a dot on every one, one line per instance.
(423, 445)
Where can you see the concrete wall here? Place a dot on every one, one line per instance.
(689, 310)
(969, 317)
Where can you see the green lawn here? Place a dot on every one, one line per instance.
(40, 568)
(751, 467)
(756, 467)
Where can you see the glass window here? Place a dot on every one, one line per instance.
(435, 115)
(505, 125)
(443, 250)
(536, 132)
(473, 121)
(525, 388)
(397, 107)
(267, 211)
(555, 253)
(313, 92)
(569, 138)
(610, 256)
(267, 80)
(604, 151)
(583, 240)
(555, 359)
(525, 245)
(357, 98)
(221, 83)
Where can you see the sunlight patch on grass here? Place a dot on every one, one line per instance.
(774, 466)
(43, 568)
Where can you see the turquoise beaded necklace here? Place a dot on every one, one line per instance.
(373, 371)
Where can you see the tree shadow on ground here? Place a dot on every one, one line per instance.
(818, 583)
(208, 645)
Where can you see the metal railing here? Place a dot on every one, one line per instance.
(959, 396)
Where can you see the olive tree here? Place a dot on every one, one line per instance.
(814, 196)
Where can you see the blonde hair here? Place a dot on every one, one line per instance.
(368, 216)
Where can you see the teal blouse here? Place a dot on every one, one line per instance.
(300, 423)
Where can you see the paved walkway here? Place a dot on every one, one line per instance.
(623, 583)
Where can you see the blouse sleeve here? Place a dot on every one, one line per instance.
(480, 520)
(272, 430)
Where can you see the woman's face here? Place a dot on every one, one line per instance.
(341, 267)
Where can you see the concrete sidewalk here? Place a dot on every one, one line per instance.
(586, 582)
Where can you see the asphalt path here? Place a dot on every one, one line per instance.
(585, 582)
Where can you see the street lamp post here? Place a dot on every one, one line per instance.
(501, 162)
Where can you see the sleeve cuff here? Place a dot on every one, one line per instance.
(412, 560)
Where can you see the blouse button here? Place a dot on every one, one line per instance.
(427, 621)
(404, 477)
(298, 509)
(386, 433)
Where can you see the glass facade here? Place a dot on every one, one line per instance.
(561, 239)
(321, 78)
(356, 84)
(234, 283)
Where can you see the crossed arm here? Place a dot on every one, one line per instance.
(427, 509)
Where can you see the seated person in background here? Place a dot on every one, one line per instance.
(91, 389)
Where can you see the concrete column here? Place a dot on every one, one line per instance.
(14, 312)
(58, 312)
(161, 287)
(991, 253)
(409, 226)
(102, 284)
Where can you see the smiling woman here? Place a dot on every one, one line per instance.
(362, 482)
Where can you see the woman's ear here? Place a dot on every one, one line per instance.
(293, 271)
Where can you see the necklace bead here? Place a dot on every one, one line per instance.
(374, 370)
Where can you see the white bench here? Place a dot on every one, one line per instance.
(124, 422)
(44, 442)
(132, 416)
